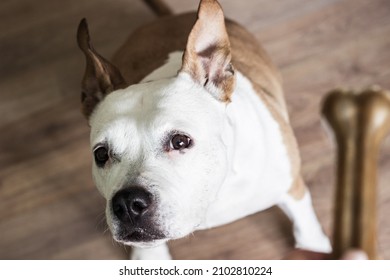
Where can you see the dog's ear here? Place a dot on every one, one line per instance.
(100, 78)
(207, 58)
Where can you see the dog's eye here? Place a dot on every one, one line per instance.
(180, 142)
(101, 156)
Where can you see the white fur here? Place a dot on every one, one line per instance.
(259, 168)
(257, 157)
(134, 122)
(160, 252)
(307, 231)
(239, 164)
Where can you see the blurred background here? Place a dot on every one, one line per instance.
(49, 207)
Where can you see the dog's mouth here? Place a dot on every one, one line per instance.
(139, 235)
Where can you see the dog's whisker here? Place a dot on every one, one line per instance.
(105, 230)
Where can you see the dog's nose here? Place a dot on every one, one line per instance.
(130, 204)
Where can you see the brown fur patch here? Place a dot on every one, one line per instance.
(298, 189)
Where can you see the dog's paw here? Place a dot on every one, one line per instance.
(316, 242)
(156, 253)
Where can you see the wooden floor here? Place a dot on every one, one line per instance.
(49, 208)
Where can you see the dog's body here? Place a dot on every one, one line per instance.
(229, 149)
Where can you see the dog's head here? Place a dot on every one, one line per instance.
(158, 147)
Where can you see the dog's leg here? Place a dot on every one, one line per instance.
(160, 252)
(307, 229)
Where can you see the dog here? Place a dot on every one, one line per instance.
(189, 131)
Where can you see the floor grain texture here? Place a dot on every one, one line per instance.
(49, 208)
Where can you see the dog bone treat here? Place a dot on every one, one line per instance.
(360, 121)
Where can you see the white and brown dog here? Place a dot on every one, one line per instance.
(190, 131)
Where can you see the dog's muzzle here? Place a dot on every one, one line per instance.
(134, 208)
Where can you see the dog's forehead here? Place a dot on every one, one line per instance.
(154, 105)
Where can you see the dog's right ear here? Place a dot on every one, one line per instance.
(100, 78)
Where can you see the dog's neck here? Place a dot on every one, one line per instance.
(257, 156)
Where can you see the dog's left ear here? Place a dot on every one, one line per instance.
(207, 58)
(100, 78)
